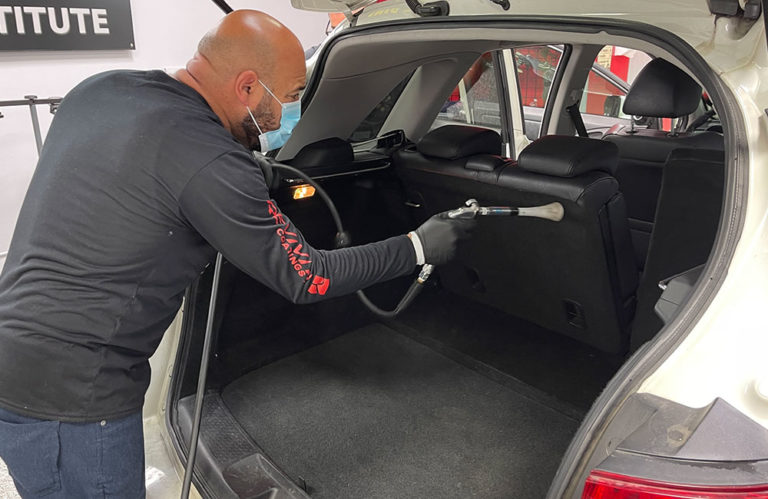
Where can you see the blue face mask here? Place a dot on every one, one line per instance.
(275, 139)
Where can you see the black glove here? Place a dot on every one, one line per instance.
(440, 235)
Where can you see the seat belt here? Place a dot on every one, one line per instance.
(578, 121)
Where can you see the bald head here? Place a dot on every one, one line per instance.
(248, 39)
(235, 60)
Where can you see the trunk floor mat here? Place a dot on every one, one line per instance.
(374, 414)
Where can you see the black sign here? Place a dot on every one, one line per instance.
(66, 25)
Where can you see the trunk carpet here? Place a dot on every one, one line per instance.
(375, 414)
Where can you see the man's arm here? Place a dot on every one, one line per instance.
(228, 203)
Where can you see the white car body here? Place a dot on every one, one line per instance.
(716, 346)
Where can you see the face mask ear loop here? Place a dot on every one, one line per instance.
(254, 120)
(270, 93)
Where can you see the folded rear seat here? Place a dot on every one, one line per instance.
(661, 90)
(576, 277)
(687, 219)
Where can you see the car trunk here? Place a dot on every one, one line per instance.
(453, 398)
(470, 391)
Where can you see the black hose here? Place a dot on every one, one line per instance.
(223, 5)
(342, 240)
(332, 207)
(412, 292)
(207, 341)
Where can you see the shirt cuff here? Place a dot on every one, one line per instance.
(417, 247)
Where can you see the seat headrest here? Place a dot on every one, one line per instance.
(331, 151)
(565, 156)
(662, 90)
(484, 162)
(459, 141)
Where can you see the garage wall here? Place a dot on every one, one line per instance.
(166, 35)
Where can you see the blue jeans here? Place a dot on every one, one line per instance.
(54, 459)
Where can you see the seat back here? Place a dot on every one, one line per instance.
(576, 277)
(687, 218)
(661, 90)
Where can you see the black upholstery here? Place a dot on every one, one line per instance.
(564, 156)
(335, 156)
(643, 156)
(576, 277)
(662, 90)
(687, 218)
(459, 141)
(331, 151)
(484, 162)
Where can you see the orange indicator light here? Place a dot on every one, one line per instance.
(303, 191)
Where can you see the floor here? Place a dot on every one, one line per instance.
(7, 490)
(569, 371)
(375, 414)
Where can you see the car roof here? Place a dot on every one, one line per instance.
(725, 43)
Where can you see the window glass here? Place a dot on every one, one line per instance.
(536, 67)
(613, 71)
(475, 100)
(370, 127)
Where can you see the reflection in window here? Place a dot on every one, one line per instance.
(613, 71)
(370, 127)
(475, 100)
(536, 67)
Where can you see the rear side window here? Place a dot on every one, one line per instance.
(475, 100)
(612, 73)
(536, 67)
(370, 127)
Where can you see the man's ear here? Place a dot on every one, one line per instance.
(247, 88)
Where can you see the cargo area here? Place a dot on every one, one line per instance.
(478, 387)
(451, 399)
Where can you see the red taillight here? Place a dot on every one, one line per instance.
(605, 485)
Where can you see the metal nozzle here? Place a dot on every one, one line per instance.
(469, 211)
(426, 271)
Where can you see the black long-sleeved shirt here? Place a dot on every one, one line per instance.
(137, 186)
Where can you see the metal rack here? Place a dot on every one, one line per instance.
(32, 101)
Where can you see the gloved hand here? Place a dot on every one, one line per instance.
(439, 236)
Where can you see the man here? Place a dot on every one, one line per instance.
(143, 177)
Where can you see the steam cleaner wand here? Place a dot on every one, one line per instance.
(472, 209)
